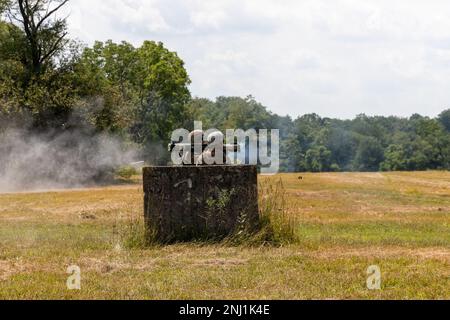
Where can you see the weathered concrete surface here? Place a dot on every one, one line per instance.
(205, 202)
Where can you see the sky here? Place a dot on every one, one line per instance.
(337, 58)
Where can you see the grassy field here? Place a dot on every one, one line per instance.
(344, 224)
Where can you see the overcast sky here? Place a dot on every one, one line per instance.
(337, 58)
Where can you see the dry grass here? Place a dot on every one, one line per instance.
(343, 224)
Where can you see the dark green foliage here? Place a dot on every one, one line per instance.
(37, 81)
(126, 172)
(146, 88)
(367, 144)
(369, 154)
(316, 144)
(4, 4)
(317, 159)
(444, 119)
(230, 113)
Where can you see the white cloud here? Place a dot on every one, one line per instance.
(337, 58)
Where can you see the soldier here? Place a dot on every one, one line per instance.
(201, 149)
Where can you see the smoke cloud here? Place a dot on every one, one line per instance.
(71, 159)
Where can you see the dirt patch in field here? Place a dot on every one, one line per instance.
(9, 268)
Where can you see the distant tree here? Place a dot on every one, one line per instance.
(245, 113)
(408, 153)
(342, 143)
(444, 119)
(395, 159)
(432, 139)
(232, 113)
(206, 111)
(292, 157)
(369, 154)
(318, 159)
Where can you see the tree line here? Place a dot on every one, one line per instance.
(316, 144)
(51, 83)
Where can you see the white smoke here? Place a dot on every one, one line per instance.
(65, 160)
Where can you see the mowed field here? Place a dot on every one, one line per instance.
(345, 222)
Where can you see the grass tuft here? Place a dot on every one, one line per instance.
(277, 225)
(133, 234)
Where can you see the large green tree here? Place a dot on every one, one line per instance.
(37, 60)
(147, 86)
(46, 35)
